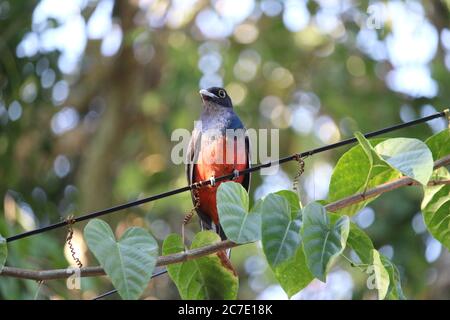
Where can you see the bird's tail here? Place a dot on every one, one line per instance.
(223, 255)
(206, 223)
(220, 232)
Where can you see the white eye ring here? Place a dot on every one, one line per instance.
(222, 94)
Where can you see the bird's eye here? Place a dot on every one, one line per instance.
(222, 94)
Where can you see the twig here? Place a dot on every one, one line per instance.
(98, 271)
(227, 244)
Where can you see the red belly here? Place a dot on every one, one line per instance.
(206, 168)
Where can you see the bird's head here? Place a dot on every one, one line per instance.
(216, 96)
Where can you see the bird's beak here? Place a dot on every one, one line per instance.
(206, 93)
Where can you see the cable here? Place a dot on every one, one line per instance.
(225, 177)
(108, 293)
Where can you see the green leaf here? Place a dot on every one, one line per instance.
(3, 252)
(363, 247)
(358, 170)
(280, 229)
(292, 198)
(436, 210)
(360, 243)
(378, 275)
(439, 144)
(202, 278)
(293, 274)
(436, 200)
(129, 262)
(323, 240)
(410, 156)
(395, 291)
(240, 225)
(373, 157)
(375, 160)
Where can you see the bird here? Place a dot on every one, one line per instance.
(213, 152)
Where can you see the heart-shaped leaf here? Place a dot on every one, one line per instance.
(436, 200)
(128, 262)
(379, 274)
(239, 224)
(292, 198)
(279, 228)
(395, 291)
(202, 278)
(374, 158)
(436, 209)
(293, 274)
(3, 252)
(411, 157)
(360, 242)
(439, 144)
(323, 240)
(357, 170)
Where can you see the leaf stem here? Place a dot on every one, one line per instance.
(361, 266)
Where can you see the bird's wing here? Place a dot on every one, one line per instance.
(191, 160)
(191, 156)
(246, 181)
(236, 124)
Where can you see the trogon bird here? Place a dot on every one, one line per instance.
(209, 157)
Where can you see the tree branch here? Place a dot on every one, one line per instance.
(40, 275)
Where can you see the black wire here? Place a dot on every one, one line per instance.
(98, 213)
(222, 178)
(108, 293)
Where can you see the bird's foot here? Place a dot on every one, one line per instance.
(235, 174)
(212, 181)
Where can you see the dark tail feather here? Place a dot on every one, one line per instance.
(227, 253)
(220, 232)
(223, 237)
(206, 223)
(224, 255)
(209, 225)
